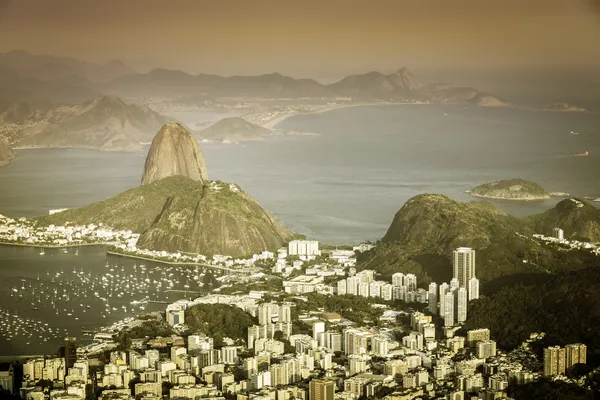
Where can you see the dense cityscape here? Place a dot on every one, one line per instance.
(324, 331)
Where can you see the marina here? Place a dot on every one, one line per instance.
(48, 295)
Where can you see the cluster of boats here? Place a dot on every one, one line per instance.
(56, 303)
(16, 327)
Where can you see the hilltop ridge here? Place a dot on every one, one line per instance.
(428, 227)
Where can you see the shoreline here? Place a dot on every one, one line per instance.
(51, 246)
(78, 147)
(481, 196)
(113, 253)
(273, 123)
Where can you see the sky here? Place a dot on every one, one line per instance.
(308, 38)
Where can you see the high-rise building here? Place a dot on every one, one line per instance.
(387, 292)
(265, 313)
(303, 248)
(229, 355)
(341, 287)
(363, 289)
(554, 361)
(433, 298)
(443, 289)
(575, 354)
(461, 300)
(356, 340)
(398, 279)
(379, 346)
(70, 351)
(449, 309)
(352, 285)
(477, 335)
(454, 284)
(558, 233)
(473, 289)
(410, 281)
(318, 331)
(285, 313)
(333, 341)
(321, 389)
(463, 265)
(486, 349)
(375, 288)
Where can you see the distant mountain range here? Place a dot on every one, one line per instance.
(24, 76)
(105, 123)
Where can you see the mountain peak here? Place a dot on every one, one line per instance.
(174, 151)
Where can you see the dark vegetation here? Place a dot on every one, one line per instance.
(426, 230)
(565, 307)
(219, 321)
(151, 329)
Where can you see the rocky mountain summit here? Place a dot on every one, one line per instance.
(177, 209)
(174, 151)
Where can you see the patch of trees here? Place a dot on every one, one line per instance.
(219, 321)
(565, 307)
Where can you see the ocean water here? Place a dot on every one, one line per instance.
(346, 184)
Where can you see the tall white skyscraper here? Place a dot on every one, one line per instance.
(463, 265)
(443, 289)
(265, 312)
(352, 285)
(410, 281)
(461, 304)
(473, 289)
(449, 309)
(433, 298)
(454, 284)
(398, 279)
(285, 313)
(319, 331)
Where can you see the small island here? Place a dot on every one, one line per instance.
(563, 106)
(511, 189)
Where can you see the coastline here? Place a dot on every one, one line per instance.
(113, 253)
(78, 147)
(273, 123)
(50, 246)
(483, 196)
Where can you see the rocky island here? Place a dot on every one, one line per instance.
(565, 107)
(6, 154)
(234, 129)
(177, 209)
(511, 189)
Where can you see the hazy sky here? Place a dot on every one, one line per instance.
(307, 37)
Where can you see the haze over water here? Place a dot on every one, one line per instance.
(346, 184)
